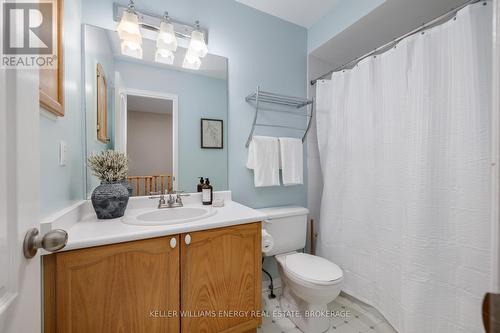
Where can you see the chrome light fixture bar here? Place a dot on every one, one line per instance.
(152, 22)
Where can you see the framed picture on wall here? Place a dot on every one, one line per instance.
(212, 132)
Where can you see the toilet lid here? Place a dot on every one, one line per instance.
(312, 268)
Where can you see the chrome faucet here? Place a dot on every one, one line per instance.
(172, 202)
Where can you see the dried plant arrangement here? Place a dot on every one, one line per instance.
(109, 165)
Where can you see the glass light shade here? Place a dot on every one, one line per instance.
(164, 56)
(166, 37)
(197, 44)
(131, 49)
(191, 61)
(128, 28)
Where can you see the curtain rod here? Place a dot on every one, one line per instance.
(393, 42)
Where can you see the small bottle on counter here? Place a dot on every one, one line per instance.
(200, 185)
(207, 193)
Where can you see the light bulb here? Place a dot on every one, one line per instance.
(128, 28)
(164, 56)
(166, 37)
(197, 45)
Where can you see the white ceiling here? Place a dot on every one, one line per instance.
(148, 104)
(301, 12)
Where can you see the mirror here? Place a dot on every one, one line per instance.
(170, 121)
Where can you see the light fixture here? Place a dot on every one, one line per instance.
(164, 56)
(166, 35)
(191, 61)
(130, 32)
(197, 45)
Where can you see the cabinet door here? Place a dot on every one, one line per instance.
(221, 279)
(127, 287)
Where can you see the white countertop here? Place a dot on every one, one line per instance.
(85, 230)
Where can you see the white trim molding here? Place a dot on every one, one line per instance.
(495, 151)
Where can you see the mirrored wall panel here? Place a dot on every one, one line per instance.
(170, 120)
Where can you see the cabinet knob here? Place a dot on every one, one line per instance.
(173, 242)
(187, 239)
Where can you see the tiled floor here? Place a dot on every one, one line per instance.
(359, 318)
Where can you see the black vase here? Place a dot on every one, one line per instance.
(110, 200)
(127, 186)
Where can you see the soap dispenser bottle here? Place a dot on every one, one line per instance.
(200, 185)
(207, 193)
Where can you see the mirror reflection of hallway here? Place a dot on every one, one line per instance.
(150, 144)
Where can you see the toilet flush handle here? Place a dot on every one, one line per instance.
(268, 221)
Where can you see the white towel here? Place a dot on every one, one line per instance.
(263, 158)
(292, 167)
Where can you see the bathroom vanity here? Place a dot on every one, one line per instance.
(197, 276)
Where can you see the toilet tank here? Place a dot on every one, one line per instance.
(288, 227)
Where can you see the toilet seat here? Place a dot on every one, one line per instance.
(311, 269)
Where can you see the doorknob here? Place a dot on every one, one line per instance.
(187, 239)
(52, 241)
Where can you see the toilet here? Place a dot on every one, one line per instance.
(309, 282)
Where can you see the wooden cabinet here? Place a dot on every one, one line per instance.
(114, 288)
(149, 286)
(221, 279)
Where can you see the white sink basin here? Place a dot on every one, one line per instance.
(170, 216)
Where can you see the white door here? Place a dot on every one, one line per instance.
(120, 138)
(495, 153)
(19, 199)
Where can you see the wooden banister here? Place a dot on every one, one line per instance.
(149, 184)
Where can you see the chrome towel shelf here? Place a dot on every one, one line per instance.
(296, 104)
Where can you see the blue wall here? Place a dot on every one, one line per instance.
(345, 13)
(199, 97)
(262, 50)
(61, 186)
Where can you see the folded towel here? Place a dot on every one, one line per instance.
(263, 158)
(292, 167)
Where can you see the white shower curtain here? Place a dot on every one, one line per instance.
(404, 141)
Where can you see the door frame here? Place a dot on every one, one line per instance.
(495, 151)
(175, 125)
